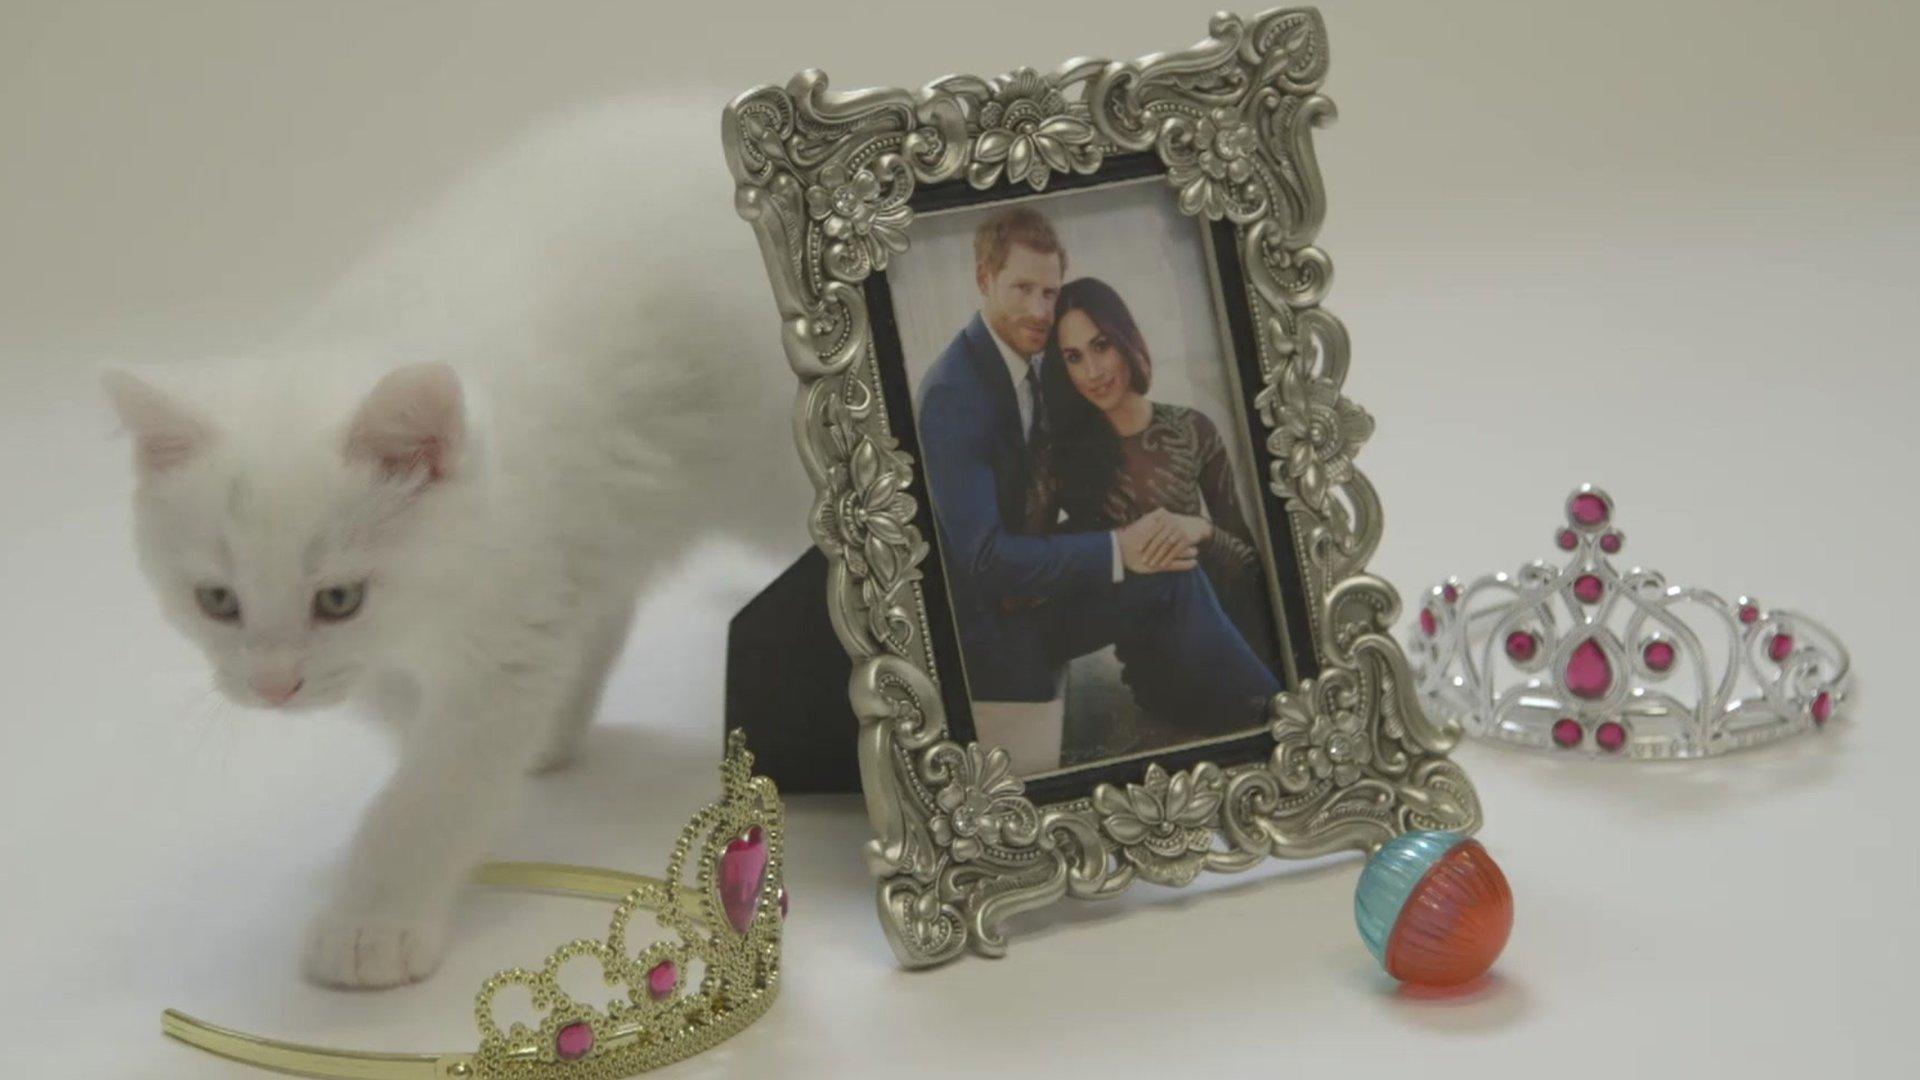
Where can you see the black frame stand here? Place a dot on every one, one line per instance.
(787, 684)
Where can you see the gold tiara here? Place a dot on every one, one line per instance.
(728, 921)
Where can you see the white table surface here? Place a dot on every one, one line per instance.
(1668, 248)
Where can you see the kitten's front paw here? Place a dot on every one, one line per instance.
(369, 951)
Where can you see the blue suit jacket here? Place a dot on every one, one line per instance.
(979, 472)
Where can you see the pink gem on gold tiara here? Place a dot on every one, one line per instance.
(742, 869)
(1552, 654)
(662, 979)
(573, 1041)
(714, 910)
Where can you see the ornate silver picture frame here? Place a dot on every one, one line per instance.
(832, 184)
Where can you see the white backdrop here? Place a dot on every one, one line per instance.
(1668, 247)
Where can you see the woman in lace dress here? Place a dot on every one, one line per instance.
(1113, 454)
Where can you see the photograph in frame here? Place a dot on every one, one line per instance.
(868, 205)
(1070, 379)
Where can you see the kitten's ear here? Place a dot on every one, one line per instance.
(166, 432)
(414, 420)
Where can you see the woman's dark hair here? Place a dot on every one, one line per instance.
(1084, 449)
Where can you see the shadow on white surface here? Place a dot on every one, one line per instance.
(1489, 1003)
(1275, 876)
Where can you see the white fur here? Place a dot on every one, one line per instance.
(505, 423)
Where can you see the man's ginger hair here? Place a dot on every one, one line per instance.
(1018, 225)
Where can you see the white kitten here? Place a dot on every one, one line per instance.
(442, 495)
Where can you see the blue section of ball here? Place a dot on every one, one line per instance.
(1388, 880)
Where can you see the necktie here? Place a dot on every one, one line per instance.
(1036, 423)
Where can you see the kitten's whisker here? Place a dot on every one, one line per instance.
(212, 720)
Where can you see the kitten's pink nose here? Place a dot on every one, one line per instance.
(278, 691)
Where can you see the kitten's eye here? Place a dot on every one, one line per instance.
(339, 602)
(218, 602)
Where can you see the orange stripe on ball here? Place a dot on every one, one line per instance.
(1454, 923)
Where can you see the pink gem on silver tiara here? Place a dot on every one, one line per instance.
(1549, 655)
(1779, 648)
(1589, 675)
(1589, 508)
(1658, 655)
(1588, 588)
(1521, 645)
(1610, 736)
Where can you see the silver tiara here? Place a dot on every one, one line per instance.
(1582, 658)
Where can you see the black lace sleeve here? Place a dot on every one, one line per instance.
(1231, 546)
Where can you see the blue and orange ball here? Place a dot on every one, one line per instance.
(1433, 908)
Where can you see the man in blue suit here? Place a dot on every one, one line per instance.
(1028, 600)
